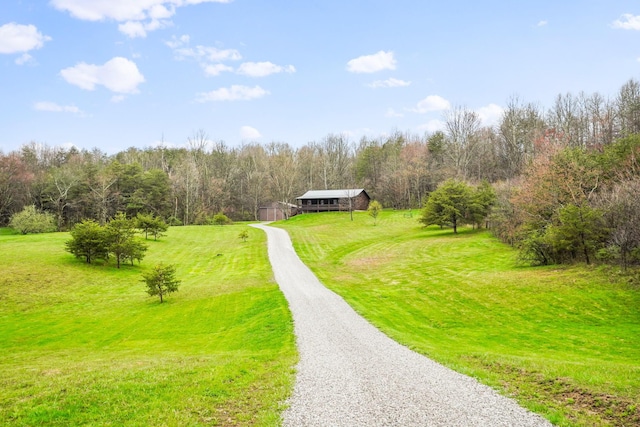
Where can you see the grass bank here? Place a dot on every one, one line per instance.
(84, 345)
(564, 341)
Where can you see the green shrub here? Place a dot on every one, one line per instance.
(31, 221)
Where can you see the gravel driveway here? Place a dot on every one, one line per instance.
(351, 374)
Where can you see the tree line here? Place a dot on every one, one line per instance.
(190, 185)
(574, 205)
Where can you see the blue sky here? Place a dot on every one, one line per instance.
(119, 73)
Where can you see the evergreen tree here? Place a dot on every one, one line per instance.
(161, 280)
(88, 241)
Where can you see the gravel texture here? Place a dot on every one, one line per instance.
(351, 374)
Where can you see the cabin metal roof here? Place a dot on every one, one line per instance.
(331, 194)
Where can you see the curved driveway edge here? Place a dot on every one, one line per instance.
(351, 374)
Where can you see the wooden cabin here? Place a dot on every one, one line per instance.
(333, 200)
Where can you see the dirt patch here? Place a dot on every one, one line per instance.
(366, 262)
(580, 405)
(617, 410)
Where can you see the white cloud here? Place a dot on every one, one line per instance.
(233, 93)
(162, 143)
(393, 113)
(176, 42)
(160, 11)
(119, 75)
(490, 114)
(16, 38)
(68, 146)
(392, 82)
(23, 59)
(542, 23)
(357, 133)
(627, 22)
(216, 69)
(55, 108)
(154, 12)
(124, 10)
(261, 69)
(207, 53)
(210, 58)
(135, 29)
(432, 126)
(247, 132)
(432, 103)
(372, 63)
(117, 98)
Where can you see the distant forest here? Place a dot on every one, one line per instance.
(580, 152)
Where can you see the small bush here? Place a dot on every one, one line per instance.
(220, 219)
(174, 222)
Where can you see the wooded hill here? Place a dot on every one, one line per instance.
(574, 163)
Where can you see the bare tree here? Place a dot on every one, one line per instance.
(519, 126)
(564, 117)
(251, 168)
(185, 184)
(601, 120)
(622, 215)
(102, 195)
(628, 103)
(15, 180)
(62, 180)
(349, 195)
(307, 160)
(462, 127)
(282, 174)
(336, 159)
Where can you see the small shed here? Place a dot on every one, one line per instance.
(277, 211)
(333, 200)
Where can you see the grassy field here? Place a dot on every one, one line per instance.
(84, 345)
(564, 341)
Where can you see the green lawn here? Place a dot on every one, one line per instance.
(84, 345)
(564, 341)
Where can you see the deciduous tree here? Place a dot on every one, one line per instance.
(374, 210)
(447, 205)
(30, 221)
(462, 126)
(579, 231)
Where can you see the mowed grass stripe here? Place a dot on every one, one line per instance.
(564, 340)
(83, 344)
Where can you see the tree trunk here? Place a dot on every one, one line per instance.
(585, 250)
